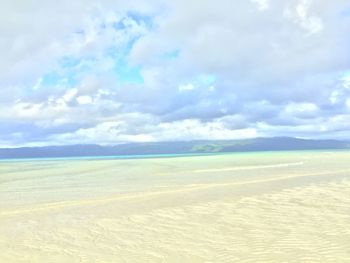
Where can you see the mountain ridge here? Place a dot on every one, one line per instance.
(174, 147)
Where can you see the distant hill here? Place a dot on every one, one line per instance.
(258, 144)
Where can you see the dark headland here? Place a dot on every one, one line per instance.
(178, 147)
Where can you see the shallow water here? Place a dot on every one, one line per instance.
(251, 207)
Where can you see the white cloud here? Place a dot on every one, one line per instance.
(202, 69)
(26, 110)
(301, 109)
(70, 95)
(262, 4)
(83, 100)
(119, 131)
(348, 103)
(301, 15)
(346, 82)
(186, 87)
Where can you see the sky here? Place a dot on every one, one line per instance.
(107, 72)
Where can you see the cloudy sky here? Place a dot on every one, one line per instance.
(111, 71)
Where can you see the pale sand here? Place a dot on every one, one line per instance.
(267, 207)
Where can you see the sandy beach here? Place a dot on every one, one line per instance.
(251, 207)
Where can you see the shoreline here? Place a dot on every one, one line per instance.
(162, 156)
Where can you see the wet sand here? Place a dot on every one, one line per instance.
(253, 207)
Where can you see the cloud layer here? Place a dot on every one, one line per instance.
(108, 72)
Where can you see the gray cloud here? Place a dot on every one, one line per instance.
(210, 70)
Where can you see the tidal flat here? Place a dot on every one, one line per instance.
(246, 207)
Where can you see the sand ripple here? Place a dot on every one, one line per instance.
(307, 222)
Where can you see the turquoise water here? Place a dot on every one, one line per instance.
(156, 156)
(111, 157)
(24, 181)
